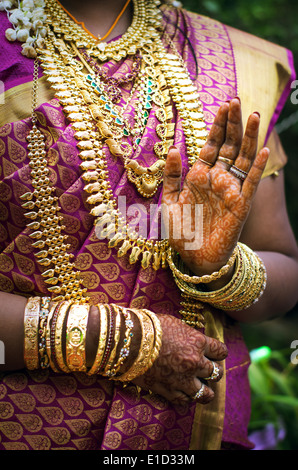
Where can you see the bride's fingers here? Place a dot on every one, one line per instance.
(249, 145)
(172, 177)
(254, 175)
(234, 134)
(216, 136)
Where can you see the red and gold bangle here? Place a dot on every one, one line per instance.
(76, 331)
(124, 352)
(102, 342)
(109, 339)
(31, 322)
(116, 339)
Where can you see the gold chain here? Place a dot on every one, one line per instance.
(66, 77)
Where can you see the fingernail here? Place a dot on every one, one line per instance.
(173, 147)
(257, 112)
(237, 98)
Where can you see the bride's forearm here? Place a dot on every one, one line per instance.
(12, 309)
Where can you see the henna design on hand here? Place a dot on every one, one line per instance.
(186, 357)
(226, 200)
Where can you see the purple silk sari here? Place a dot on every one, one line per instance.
(44, 410)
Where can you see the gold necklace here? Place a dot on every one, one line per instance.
(66, 77)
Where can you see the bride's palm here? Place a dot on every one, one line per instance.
(206, 216)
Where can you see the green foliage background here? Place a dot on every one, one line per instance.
(274, 379)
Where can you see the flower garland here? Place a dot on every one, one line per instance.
(28, 19)
(28, 24)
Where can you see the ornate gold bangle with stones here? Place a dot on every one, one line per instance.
(42, 330)
(117, 333)
(31, 321)
(142, 363)
(205, 279)
(124, 352)
(76, 331)
(62, 310)
(102, 342)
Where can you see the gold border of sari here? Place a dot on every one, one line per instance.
(17, 101)
(258, 63)
(209, 419)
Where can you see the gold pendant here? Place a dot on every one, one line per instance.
(146, 180)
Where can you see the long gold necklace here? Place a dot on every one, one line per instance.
(65, 75)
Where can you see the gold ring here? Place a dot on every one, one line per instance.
(206, 163)
(225, 160)
(215, 372)
(199, 393)
(241, 174)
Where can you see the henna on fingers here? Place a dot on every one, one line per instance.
(225, 191)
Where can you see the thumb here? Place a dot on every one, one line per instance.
(172, 177)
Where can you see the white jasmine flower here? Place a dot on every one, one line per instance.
(5, 5)
(40, 42)
(11, 34)
(42, 32)
(16, 16)
(37, 24)
(28, 4)
(29, 40)
(22, 35)
(28, 51)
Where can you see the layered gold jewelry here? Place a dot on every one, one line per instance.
(31, 323)
(245, 288)
(65, 336)
(84, 102)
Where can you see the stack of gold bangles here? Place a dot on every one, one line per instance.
(244, 289)
(55, 335)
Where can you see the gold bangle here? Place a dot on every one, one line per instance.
(245, 288)
(102, 342)
(124, 352)
(48, 336)
(42, 328)
(62, 310)
(206, 278)
(31, 321)
(76, 330)
(158, 336)
(117, 334)
(142, 363)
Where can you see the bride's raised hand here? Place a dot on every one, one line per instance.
(221, 184)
